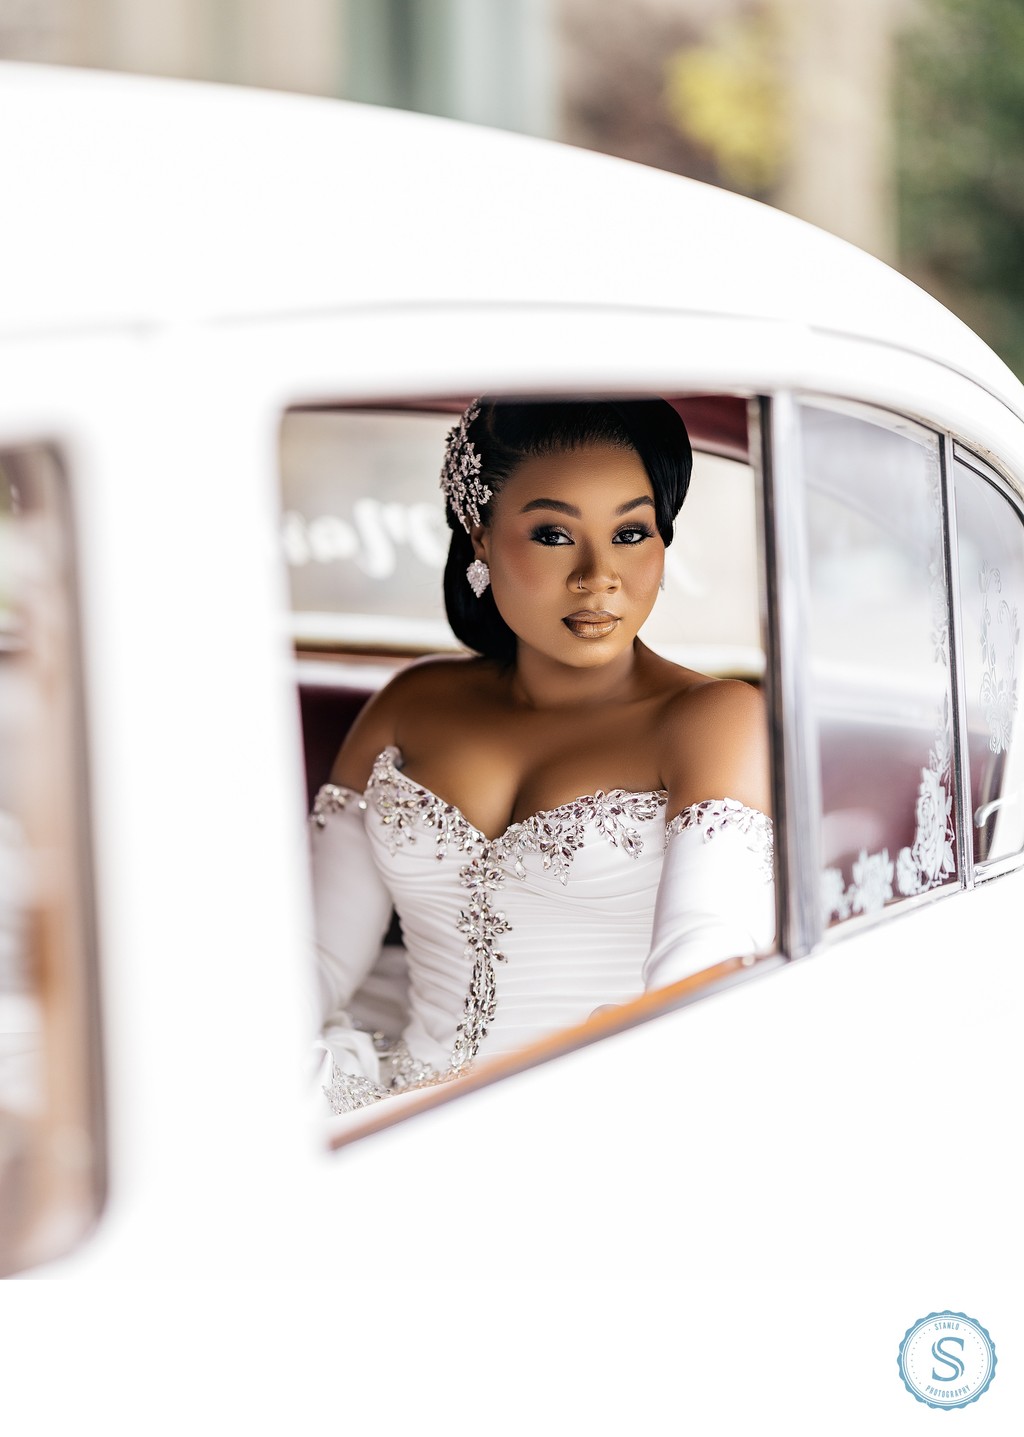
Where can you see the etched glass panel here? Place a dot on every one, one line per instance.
(878, 659)
(991, 562)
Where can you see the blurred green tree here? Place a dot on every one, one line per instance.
(960, 163)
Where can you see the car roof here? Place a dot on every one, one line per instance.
(140, 201)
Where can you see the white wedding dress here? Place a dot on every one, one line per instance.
(512, 938)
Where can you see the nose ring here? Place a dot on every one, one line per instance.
(580, 584)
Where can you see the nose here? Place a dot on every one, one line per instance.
(595, 573)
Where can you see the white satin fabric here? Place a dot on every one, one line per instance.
(571, 910)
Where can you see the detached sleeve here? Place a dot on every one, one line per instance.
(716, 898)
(351, 912)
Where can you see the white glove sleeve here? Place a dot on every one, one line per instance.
(351, 910)
(716, 898)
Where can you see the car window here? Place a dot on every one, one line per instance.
(878, 659)
(365, 542)
(51, 1144)
(990, 545)
(363, 528)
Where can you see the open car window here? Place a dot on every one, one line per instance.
(365, 542)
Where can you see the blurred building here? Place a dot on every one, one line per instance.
(785, 99)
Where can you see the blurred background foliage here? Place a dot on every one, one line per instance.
(727, 93)
(960, 163)
(897, 124)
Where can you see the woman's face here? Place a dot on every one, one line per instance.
(574, 553)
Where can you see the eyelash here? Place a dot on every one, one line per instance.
(544, 532)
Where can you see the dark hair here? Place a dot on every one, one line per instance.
(505, 433)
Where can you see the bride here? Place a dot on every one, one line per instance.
(561, 818)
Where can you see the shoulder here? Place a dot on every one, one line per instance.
(714, 703)
(428, 685)
(713, 739)
(439, 675)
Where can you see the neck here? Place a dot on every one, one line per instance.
(542, 683)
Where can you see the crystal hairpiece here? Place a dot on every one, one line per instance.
(460, 473)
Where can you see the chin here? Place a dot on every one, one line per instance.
(593, 653)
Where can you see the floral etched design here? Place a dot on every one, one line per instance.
(872, 882)
(870, 890)
(998, 693)
(931, 859)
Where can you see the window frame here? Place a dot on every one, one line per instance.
(795, 735)
(66, 1158)
(958, 452)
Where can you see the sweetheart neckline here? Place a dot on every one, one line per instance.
(393, 752)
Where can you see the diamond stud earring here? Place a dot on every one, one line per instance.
(479, 576)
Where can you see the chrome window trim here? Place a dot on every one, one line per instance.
(796, 775)
(984, 470)
(962, 773)
(986, 872)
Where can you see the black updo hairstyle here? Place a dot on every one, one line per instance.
(505, 433)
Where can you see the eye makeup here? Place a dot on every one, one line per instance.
(551, 536)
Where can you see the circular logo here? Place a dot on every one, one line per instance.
(947, 1359)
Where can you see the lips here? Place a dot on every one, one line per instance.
(591, 623)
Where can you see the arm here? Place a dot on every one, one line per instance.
(716, 898)
(351, 911)
(351, 907)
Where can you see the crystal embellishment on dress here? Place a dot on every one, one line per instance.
(347, 1092)
(407, 809)
(332, 798)
(715, 814)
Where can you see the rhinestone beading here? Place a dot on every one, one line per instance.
(460, 473)
(714, 815)
(346, 1092)
(333, 798)
(556, 835)
(407, 811)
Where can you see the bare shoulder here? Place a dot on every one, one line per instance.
(700, 699)
(714, 743)
(428, 685)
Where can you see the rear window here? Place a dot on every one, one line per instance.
(365, 541)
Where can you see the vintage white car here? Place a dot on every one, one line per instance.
(234, 327)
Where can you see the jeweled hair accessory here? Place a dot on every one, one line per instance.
(460, 473)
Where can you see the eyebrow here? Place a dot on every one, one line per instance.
(574, 513)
